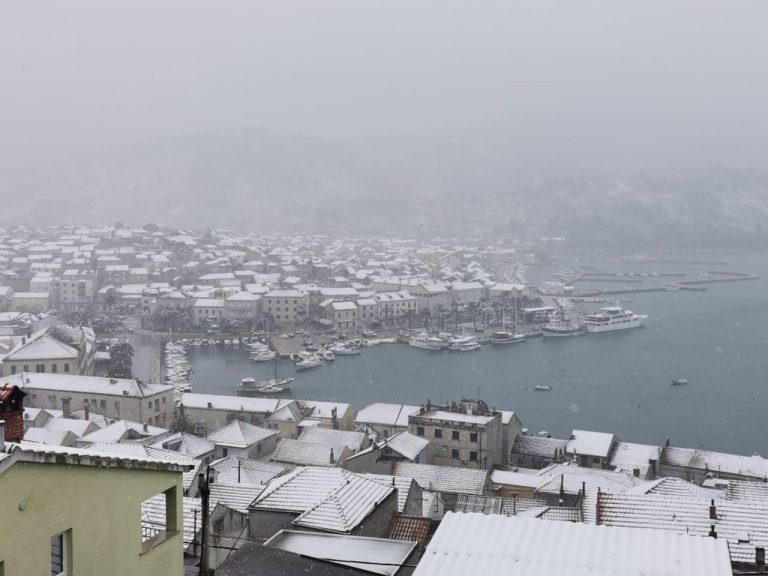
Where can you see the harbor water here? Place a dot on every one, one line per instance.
(617, 382)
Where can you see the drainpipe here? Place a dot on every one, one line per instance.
(203, 481)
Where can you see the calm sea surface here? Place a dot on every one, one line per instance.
(616, 382)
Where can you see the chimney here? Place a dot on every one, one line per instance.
(760, 559)
(146, 427)
(712, 532)
(87, 410)
(12, 413)
(2, 436)
(334, 419)
(636, 472)
(712, 510)
(66, 407)
(333, 460)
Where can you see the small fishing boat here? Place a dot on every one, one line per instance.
(542, 387)
(679, 381)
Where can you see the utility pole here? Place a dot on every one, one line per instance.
(203, 483)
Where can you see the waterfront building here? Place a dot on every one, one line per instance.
(367, 312)
(467, 434)
(47, 492)
(208, 310)
(343, 316)
(430, 294)
(285, 306)
(242, 306)
(115, 398)
(393, 306)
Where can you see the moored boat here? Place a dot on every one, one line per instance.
(504, 337)
(307, 363)
(263, 356)
(426, 342)
(613, 318)
(557, 328)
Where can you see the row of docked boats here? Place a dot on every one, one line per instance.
(444, 341)
(177, 368)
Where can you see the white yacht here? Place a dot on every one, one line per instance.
(464, 344)
(506, 338)
(263, 356)
(341, 349)
(613, 318)
(427, 342)
(308, 363)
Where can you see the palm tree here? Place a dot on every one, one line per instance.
(473, 310)
(441, 312)
(425, 316)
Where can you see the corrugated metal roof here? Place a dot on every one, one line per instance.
(346, 506)
(443, 478)
(374, 555)
(491, 544)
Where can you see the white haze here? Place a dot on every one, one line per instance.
(558, 86)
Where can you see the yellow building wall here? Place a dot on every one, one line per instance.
(101, 507)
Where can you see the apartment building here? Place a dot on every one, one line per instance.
(466, 434)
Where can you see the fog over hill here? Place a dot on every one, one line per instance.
(259, 180)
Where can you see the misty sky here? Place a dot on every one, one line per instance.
(655, 81)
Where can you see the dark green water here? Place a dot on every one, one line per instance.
(617, 382)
